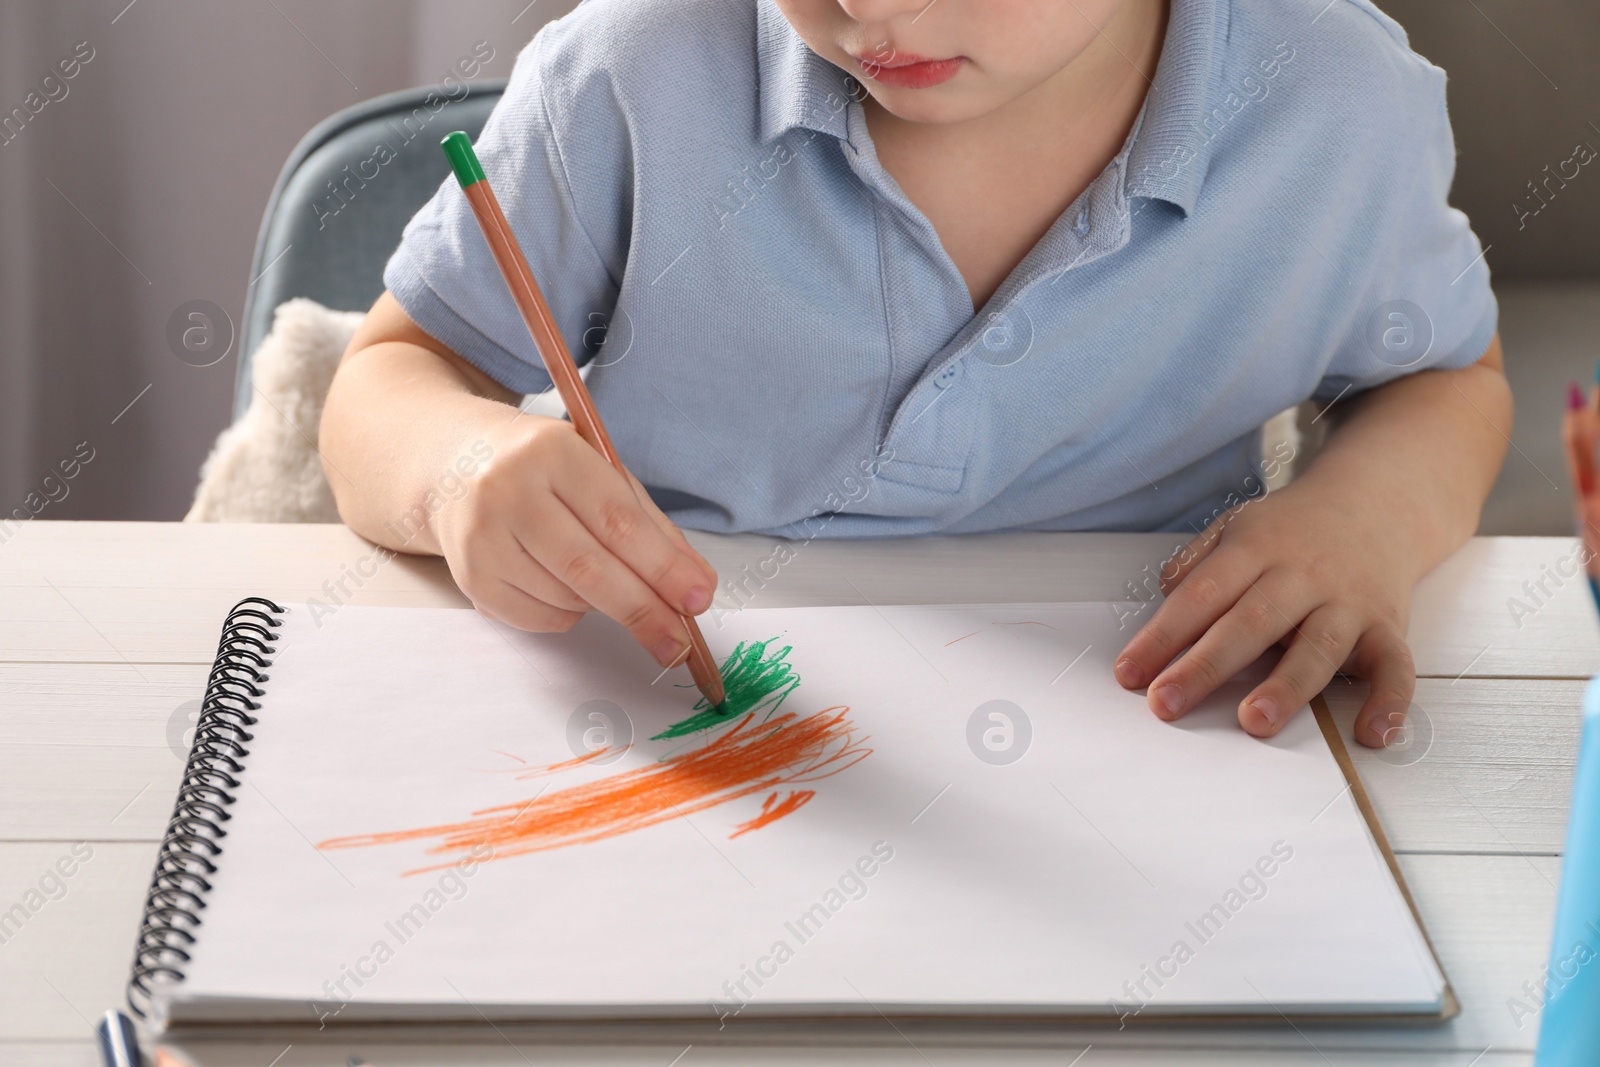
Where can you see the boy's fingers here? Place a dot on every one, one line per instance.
(1384, 659)
(671, 529)
(570, 552)
(494, 557)
(532, 577)
(505, 603)
(1176, 567)
(1321, 644)
(1189, 610)
(604, 502)
(1255, 622)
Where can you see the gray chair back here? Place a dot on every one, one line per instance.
(341, 202)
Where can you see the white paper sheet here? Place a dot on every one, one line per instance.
(1073, 853)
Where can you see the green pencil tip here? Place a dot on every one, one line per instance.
(463, 160)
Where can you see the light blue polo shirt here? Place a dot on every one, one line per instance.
(778, 342)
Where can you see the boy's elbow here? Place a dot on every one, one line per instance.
(1493, 365)
(330, 439)
(1493, 357)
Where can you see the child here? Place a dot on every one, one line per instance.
(888, 267)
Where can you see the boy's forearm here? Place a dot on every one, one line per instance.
(1426, 450)
(398, 419)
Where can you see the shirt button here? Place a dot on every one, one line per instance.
(1081, 225)
(947, 377)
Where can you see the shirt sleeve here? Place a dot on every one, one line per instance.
(445, 278)
(1425, 300)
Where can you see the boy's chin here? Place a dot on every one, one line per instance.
(942, 105)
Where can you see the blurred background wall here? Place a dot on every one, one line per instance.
(1524, 89)
(142, 189)
(1524, 92)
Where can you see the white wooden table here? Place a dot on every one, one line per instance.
(107, 631)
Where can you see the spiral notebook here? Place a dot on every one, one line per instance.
(403, 816)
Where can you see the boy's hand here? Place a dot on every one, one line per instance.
(1321, 574)
(549, 530)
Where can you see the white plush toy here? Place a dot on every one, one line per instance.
(265, 467)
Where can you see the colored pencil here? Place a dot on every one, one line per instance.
(1577, 437)
(1580, 439)
(557, 358)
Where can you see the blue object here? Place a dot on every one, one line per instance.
(336, 212)
(778, 340)
(119, 1043)
(1569, 1034)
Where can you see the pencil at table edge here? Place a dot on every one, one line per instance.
(558, 361)
(1578, 443)
(1579, 438)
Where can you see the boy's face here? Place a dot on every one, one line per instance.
(949, 60)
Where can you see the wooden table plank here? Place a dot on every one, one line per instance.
(109, 629)
(156, 592)
(1499, 607)
(241, 1054)
(96, 751)
(1489, 917)
(69, 916)
(93, 751)
(1487, 766)
(1491, 938)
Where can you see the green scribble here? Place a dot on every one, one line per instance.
(751, 680)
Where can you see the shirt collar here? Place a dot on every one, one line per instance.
(797, 86)
(1171, 150)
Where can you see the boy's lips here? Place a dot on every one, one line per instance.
(908, 71)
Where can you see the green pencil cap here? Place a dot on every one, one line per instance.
(463, 160)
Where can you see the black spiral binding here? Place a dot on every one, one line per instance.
(177, 889)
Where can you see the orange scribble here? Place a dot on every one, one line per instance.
(773, 809)
(556, 768)
(744, 758)
(508, 755)
(963, 637)
(525, 772)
